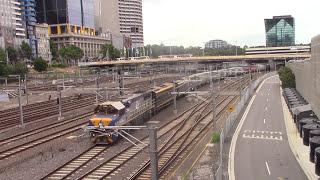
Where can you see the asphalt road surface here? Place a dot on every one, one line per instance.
(262, 150)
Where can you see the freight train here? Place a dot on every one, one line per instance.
(134, 109)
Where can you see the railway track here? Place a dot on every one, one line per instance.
(107, 168)
(39, 130)
(171, 150)
(41, 140)
(11, 117)
(44, 110)
(65, 171)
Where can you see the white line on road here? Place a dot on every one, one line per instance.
(264, 121)
(267, 99)
(266, 108)
(231, 171)
(268, 168)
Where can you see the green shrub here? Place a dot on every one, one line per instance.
(287, 77)
(40, 65)
(59, 65)
(215, 138)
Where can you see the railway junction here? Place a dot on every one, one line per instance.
(57, 131)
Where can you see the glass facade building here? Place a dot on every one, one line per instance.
(280, 31)
(73, 12)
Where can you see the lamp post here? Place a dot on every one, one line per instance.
(19, 99)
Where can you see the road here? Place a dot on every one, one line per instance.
(262, 149)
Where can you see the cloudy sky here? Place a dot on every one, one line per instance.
(193, 22)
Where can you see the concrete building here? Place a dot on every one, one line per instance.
(43, 42)
(307, 75)
(216, 44)
(91, 45)
(12, 30)
(71, 22)
(280, 31)
(106, 18)
(131, 21)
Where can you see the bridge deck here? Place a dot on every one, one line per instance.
(199, 59)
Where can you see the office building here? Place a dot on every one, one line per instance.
(12, 30)
(64, 16)
(280, 31)
(106, 18)
(43, 42)
(216, 44)
(131, 22)
(72, 22)
(29, 21)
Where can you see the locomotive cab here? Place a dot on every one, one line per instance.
(105, 115)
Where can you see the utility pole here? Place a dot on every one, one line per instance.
(60, 103)
(175, 99)
(153, 153)
(7, 57)
(63, 81)
(97, 87)
(19, 99)
(120, 80)
(20, 104)
(26, 87)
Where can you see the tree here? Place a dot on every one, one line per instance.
(54, 50)
(3, 56)
(26, 51)
(71, 53)
(287, 77)
(19, 68)
(108, 50)
(12, 55)
(40, 65)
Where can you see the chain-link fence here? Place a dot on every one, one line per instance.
(232, 117)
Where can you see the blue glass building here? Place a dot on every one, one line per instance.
(65, 16)
(280, 31)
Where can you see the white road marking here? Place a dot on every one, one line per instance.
(267, 99)
(264, 121)
(266, 108)
(268, 168)
(237, 132)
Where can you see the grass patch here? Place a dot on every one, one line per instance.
(215, 138)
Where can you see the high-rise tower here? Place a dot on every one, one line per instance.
(280, 31)
(131, 21)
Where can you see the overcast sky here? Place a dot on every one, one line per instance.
(193, 22)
